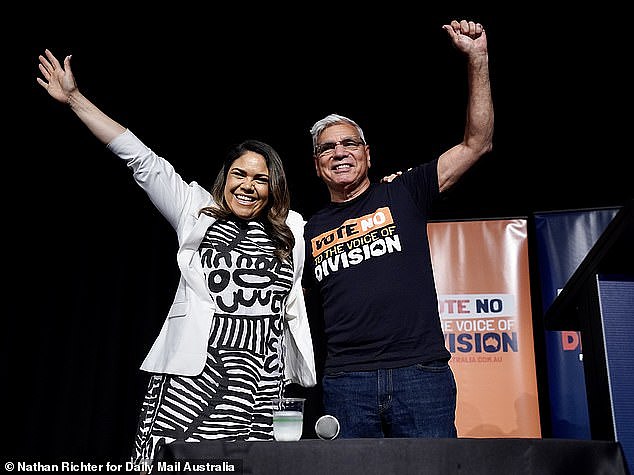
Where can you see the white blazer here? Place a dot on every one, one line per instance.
(181, 347)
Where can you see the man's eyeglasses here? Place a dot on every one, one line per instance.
(327, 149)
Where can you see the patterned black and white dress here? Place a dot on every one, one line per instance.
(231, 399)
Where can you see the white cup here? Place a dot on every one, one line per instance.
(288, 418)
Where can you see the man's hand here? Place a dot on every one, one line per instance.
(467, 36)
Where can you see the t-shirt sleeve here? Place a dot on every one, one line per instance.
(422, 183)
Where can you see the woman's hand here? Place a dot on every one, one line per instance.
(58, 81)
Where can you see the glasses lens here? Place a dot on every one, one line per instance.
(328, 148)
(325, 148)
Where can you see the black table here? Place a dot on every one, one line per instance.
(396, 456)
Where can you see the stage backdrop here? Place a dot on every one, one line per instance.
(482, 279)
(563, 240)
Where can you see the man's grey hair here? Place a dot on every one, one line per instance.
(332, 119)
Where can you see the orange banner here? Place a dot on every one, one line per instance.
(482, 279)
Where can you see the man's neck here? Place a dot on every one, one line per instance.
(341, 195)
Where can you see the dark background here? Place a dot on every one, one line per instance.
(90, 264)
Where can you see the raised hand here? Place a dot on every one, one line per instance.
(58, 81)
(467, 36)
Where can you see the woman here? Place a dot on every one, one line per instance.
(237, 330)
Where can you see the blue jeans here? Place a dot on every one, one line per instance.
(413, 401)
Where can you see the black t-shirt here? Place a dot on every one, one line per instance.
(369, 257)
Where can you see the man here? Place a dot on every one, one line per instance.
(367, 252)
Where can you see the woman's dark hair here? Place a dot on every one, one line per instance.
(279, 198)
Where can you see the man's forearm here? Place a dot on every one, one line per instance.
(479, 124)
